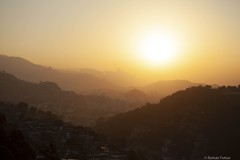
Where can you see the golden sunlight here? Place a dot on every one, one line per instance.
(158, 48)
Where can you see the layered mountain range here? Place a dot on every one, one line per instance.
(48, 96)
(90, 81)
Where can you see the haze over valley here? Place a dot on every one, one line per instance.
(119, 80)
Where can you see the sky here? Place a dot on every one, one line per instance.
(108, 34)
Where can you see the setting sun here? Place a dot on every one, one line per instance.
(119, 79)
(158, 48)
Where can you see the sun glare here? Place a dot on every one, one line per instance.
(158, 48)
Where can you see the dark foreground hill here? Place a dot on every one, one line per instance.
(27, 133)
(190, 124)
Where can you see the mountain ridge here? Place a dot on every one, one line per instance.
(29, 71)
(89, 81)
(202, 119)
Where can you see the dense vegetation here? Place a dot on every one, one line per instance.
(14, 143)
(190, 124)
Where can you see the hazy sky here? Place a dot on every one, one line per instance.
(104, 34)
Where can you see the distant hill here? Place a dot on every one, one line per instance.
(118, 77)
(189, 124)
(79, 82)
(162, 89)
(90, 81)
(136, 94)
(157, 89)
(80, 109)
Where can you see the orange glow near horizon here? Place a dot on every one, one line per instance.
(155, 40)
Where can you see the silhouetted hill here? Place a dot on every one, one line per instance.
(190, 124)
(162, 89)
(80, 109)
(28, 71)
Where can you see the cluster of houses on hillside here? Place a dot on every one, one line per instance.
(49, 136)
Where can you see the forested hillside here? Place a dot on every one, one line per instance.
(190, 124)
